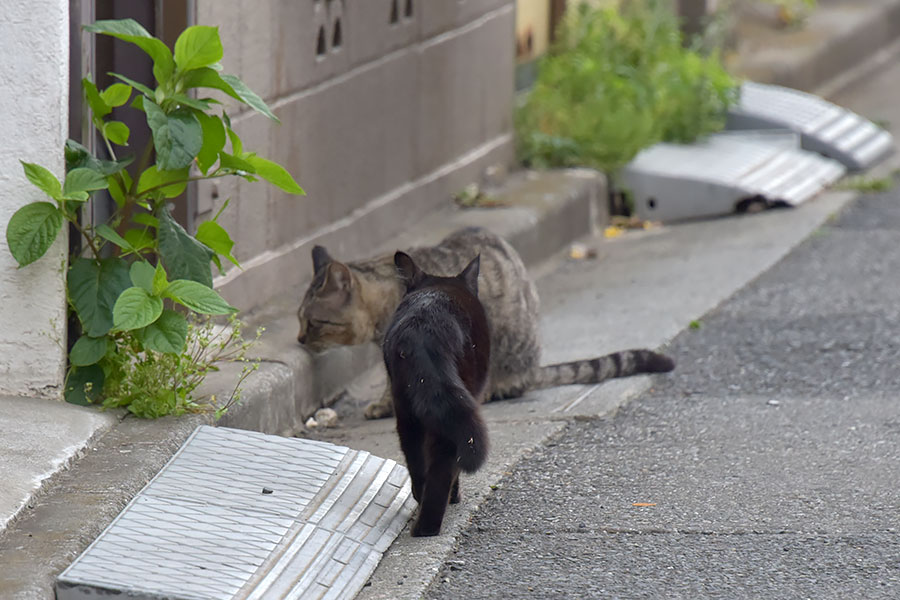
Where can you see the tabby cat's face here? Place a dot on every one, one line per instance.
(331, 313)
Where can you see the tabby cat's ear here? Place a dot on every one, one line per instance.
(469, 275)
(408, 270)
(320, 258)
(337, 278)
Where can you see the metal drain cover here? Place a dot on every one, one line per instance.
(824, 127)
(245, 515)
(671, 182)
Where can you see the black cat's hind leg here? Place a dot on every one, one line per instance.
(438, 483)
(454, 491)
(412, 442)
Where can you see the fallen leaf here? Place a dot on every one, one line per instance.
(578, 251)
(612, 232)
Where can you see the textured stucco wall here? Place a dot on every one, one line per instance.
(34, 44)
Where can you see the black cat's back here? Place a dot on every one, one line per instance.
(437, 353)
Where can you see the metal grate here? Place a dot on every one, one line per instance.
(715, 176)
(825, 128)
(244, 515)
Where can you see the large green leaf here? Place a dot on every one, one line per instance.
(231, 85)
(177, 136)
(160, 280)
(198, 103)
(84, 385)
(129, 30)
(167, 334)
(153, 178)
(213, 141)
(198, 46)
(141, 274)
(32, 230)
(77, 156)
(117, 94)
(214, 235)
(235, 163)
(274, 174)
(146, 219)
(184, 256)
(88, 350)
(98, 105)
(140, 239)
(198, 298)
(110, 234)
(43, 179)
(84, 179)
(94, 288)
(249, 96)
(135, 84)
(117, 132)
(136, 308)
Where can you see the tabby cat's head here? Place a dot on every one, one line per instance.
(332, 313)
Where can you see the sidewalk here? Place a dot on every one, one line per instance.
(693, 267)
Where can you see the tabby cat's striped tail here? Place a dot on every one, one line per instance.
(595, 370)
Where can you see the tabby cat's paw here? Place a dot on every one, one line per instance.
(379, 410)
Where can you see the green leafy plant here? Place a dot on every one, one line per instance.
(616, 82)
(143, 280)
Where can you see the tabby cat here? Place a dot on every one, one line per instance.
(352, 303)
(436, 351)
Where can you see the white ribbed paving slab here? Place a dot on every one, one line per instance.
(243, 515)
(825, 128)
(671, 182)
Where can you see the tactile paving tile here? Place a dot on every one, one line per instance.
(243, 515)
(824, 127)
(713, 176)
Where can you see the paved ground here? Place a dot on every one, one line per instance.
(770, 458)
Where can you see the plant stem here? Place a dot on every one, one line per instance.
(109, 148)
(142, 164)
(131, 195)
(84, 234)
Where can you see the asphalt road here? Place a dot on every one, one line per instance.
(770, 459)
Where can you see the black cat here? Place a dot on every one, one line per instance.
(437, 353)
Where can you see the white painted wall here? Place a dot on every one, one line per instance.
(34, 44)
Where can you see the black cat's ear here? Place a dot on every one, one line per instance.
(408, 270)
(320, 258)
(337, 278)
(469, 275)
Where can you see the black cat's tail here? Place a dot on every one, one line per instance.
(451, 410)
(595, 370)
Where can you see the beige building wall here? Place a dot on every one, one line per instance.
(387, 108)
(532, 28)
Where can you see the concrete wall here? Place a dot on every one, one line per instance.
(381, 124)
(34, 41)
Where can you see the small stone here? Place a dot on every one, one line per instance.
(266, 490)
(311, 423)
(773, 403)
(326, 417)
(456, 565)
